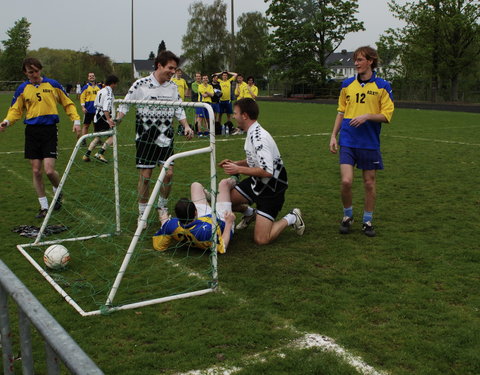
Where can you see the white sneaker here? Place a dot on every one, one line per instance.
(143, 223)
(299, 224)
(246, 220)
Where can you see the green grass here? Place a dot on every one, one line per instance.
(407, 301)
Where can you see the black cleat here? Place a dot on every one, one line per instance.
(41, 214)
(346, 225)
(58, 203)
(367, 228)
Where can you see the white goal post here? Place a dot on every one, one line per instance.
(109, 303)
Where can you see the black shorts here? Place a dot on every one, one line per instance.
(41, 141)
(268, 203)
(149, 155)
(88, 118)
(101, 125)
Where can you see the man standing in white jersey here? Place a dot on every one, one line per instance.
(154, 131)
(267, 181)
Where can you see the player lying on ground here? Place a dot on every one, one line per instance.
(193, 224)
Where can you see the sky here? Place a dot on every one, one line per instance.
(104, 25)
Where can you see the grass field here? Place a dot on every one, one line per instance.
(405, 302)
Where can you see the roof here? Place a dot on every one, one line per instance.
(144, 65)
(342, 59)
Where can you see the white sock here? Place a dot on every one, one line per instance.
(162, 202)
(54, 189)
(291, 218)
(248, 212)
(141, 208)
(43, 203)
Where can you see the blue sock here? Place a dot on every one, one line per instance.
(348, 211)
(367, 216)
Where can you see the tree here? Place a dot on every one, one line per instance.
(251, 44)
(151, 56)
(161, 47)
(15, 50)
(441, 40)
(306, 32)
(206, 44)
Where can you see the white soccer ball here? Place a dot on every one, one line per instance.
(56, 257)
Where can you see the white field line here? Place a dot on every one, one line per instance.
(307, 341)
(236, 138)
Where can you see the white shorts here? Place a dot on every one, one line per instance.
(222, 208)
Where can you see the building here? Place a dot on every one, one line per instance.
(341, 65)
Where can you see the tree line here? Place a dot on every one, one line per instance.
(434, 57)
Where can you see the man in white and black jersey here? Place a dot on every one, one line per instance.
(103, 120)
(154, 131)
(267, 181)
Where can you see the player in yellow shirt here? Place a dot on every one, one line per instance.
(250, 90)
(205, 95)
(37, 98)
(193, 224)
(87, 100)
(240, 86)
(226, 99)
(181, 83)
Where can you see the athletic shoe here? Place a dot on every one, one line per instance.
(101, 158)
(299, 224)
(85, 158)
(246, 220)
(41, 214)
(236, 132)
(58, 203)
(367, 228)
(84, 143)
(346, 225)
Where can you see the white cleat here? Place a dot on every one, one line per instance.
(299, 224)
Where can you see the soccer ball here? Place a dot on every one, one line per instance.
(56, 257)
(218, 93)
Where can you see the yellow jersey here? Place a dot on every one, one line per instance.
(239, 90)
(202, 89)
(226, 87)
(182, 86)
(88, 95)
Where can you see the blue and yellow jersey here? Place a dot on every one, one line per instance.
(87, 98)
(202, 89)
(198, 234)
(226, 88)
(239, 90)
(246, 92)
(40, 103)
(182, 86)
(374, 97)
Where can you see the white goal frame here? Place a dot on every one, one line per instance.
(108, 307)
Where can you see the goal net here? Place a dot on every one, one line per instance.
(113, 264)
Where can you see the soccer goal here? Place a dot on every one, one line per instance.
(113, 264)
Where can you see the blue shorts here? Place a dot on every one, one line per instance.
(216, 107)
(226, 107)
(364, 159)
(202, 112)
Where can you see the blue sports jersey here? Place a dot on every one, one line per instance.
(375, 97)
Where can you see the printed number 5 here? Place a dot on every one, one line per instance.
(39, 97)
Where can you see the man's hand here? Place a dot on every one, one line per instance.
(188, 131)
(111, 123)
(230, 168)
(333, 145)
(359, 120)
(224, 161)
(3, 125)
(84, 110)
(229, 217)
(76, 126)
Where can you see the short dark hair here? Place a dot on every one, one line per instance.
(250, 77)
(185, 211)
(369, 53)
(239, 75)
(29, 61)
(164, 57)
(111, 80)
(248, 106)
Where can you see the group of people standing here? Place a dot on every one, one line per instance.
(365, 102)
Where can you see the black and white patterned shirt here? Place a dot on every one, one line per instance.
(262, 152)
(154, 124)
(103, 102)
